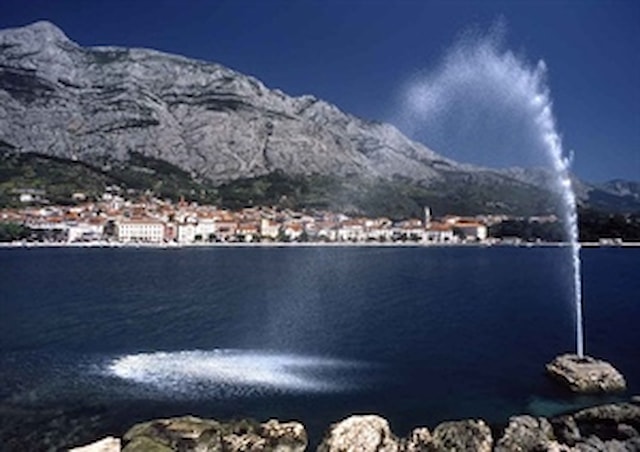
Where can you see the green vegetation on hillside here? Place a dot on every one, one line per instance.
(398, 198)
(59, 178)
(148, 174)
(595, 225)
(279, 189)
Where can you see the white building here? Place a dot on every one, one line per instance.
(472, 231)
(140, 230)
(206, 229)
(351, 231)
(293, 230)
(186, 233)
(269, 229)
(202, 231)
(439, 233)
(79, 232)
(379, 233)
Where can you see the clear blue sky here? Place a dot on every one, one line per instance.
(359, 54)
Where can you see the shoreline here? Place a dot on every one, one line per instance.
(104, 244)
(605, 426)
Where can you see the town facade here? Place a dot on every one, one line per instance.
(154, 221)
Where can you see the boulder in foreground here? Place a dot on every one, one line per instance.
(192, 433)
(528, 433)
(368, 433)
(586, 374)
(462, 436)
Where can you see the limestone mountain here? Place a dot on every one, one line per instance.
(114, 110)
(99, 104)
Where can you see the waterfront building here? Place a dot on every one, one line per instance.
(146, 230)
(472, 231)
(439, 233)
(269, 229)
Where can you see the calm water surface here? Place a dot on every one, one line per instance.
(418, 335)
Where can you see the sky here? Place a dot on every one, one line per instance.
(363, 54)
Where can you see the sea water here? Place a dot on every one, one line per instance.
(418, 335)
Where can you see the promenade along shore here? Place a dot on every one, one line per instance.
(173, 245)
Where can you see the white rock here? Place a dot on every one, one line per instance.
(369, 433)
(108, 444)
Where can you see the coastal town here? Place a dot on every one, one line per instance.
(146, 220)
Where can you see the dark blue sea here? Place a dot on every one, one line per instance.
(94, 340)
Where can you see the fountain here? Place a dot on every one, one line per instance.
(481, 90)
(546, 123)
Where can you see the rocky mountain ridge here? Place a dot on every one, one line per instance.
(103, 105)
(99, 103)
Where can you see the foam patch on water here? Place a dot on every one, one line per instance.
(232, 372)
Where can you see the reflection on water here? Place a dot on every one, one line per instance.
(229, 373)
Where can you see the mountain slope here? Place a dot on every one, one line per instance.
(111, 108)
(99, 104)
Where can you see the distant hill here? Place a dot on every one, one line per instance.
(147, 120)
(616, 195)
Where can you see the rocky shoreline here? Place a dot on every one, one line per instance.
(609, 427)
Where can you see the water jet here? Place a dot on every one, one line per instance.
(481, 90)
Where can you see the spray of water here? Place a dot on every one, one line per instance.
(233, 373)
(486, 105)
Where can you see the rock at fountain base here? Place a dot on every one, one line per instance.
(586, 375)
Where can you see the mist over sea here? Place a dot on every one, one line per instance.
(418, 335)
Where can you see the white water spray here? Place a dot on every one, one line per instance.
(488, 100)
(561, 166)
(232, 373)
